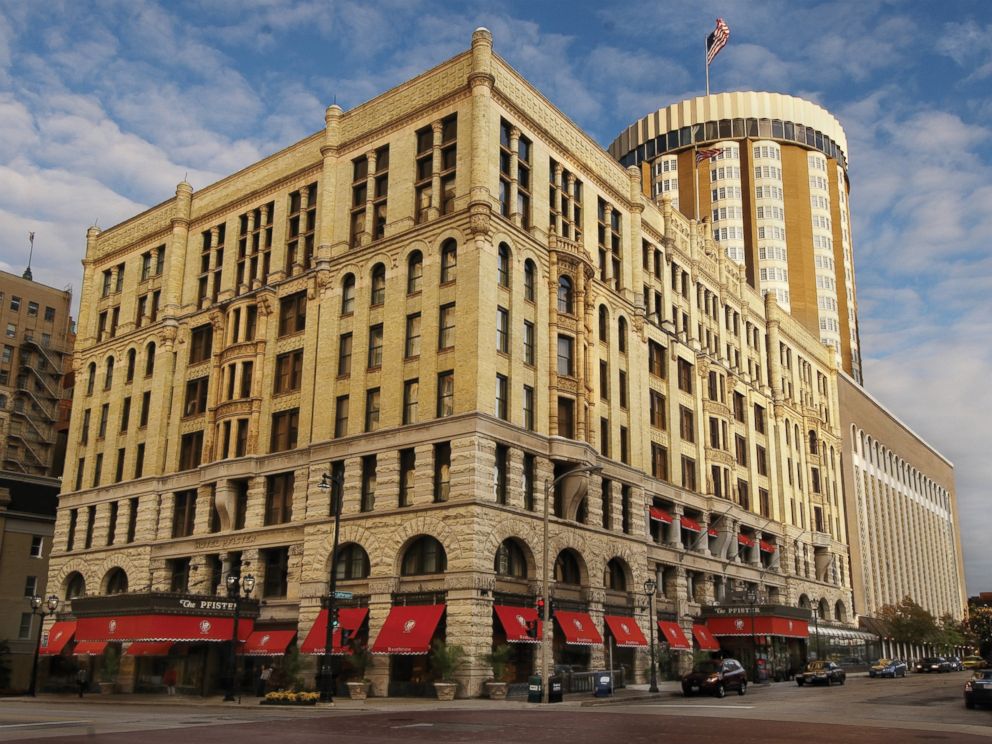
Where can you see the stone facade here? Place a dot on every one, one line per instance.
(448, 324)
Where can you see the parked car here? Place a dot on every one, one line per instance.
(974, 662)
(932, 664)
(715, 677)
(821, 672)
(888, 668)
(978, 689)
(955, 663)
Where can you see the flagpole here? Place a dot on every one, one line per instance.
(706, 56)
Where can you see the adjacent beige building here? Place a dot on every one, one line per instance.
(901, 509)
(446, 298)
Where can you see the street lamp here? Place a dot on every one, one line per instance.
(752, 600)
(816, 627)
(42, 608)
(546, 627)
(247, 585)
(327, 482)
(649, 587)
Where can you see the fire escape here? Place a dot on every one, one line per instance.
(38, 390)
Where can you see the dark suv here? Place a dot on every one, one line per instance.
(821, 672)
(715, 677)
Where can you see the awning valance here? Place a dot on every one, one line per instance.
(172, 628)
(515, 620)
(408, 630)
(713, 532)
(625, 631)
(578, 628)
(54, 641)
(268, 642)
(350, 618)
(150, 648)
(704, 638)
(844, 634)
(785, 627)
(89, 648)
(660, 515)
(673, 635)
(688, 523)
(745, 540)
(766, 546)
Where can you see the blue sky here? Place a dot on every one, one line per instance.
(106, 105)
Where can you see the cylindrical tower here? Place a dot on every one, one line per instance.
(776, 195)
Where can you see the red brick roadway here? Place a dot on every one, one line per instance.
(525, 726)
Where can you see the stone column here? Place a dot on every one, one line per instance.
(352, 486)
(597, 659)
(387, 487)
(423, 479)
(515, 478)
(204, 506)
(469, 624)
(380, 602)
(674, 537)
(176, 255)
(434, 210)
(514, 161)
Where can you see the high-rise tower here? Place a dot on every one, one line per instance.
(776, 195)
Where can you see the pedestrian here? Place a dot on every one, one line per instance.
(263, 680)
(169, 680)
(82, 677)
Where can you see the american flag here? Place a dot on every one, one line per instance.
(702, 155)
(717, 40)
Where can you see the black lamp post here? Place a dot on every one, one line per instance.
(649, 587)
(752, 601)
(247, 585)
(327, 483)
(816, 628)
(42, 608)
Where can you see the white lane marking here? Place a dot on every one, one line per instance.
(415, 725)
(42, 723)
(688, 705)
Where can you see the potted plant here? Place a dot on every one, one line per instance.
(497, 659)
(445, 660)
(108, 670)
(359, 660)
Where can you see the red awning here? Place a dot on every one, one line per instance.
(704, 638)
(578, 628)
(688, 523)
(348, 617)
(740, 625)
(515, 619)
(268, 642)
(89, 648)
(660, 515)
(767, 546)
(745, 540)
(173, 628)
(152, 648)
(408, 630)
(54, 641)
(625, 631)
(672, 633)
(713, 532)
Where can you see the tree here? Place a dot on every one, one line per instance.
(952, 632)
(980, 626)
(907, 622)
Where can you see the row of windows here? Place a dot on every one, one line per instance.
(32, 309)
(725, 172)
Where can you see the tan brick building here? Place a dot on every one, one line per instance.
(442, 299)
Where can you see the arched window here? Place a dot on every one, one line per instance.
(503, 265)
(510, 560)
(839, 613)
(132, 355)
(565, 301)
(424, 556)
(812, 442)
(91, 378)
(614, 577)
(352, 562)
(116, 581)
(622, 335)
(604, 324)
(567, 568)
(75, 585)
(414, 272)
(449, 261)
(149, 360)
(348, 294)
(108, 379)
(804, 600)
(378, 284)
(530, 280)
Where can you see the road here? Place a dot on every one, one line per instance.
(918, 708)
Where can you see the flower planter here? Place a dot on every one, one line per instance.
(496, 690)
(358, 690)
(445, 690)
(106, 688)
(288, 702)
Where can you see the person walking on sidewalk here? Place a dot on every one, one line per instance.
(169, 680)
(82, 677)
(263, 680)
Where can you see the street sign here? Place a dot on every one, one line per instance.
(342, 595)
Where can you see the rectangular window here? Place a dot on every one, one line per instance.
(764, 502)
(659, 462)
(344, 354)
(411, 395)
(412, 345)
(375, 346)
(624, 445)
(196, 397)
(685, 376)
(276, 561)
(70, 541)
(146, 404)
(502, 397)
(24, 629)
(688, 473)
(341, 416)
(687, 430)
(658, 410)
(190, 450)
(184, 513)
(372, 404)
(97, 470)
(84, 429)
(178, 574)
(743, 495)
(104, 415)
(200, 343)
(528, 408)
(740, 447)
(739, 407)
(289, 371)
(759, 419)
(501, 473)
(715, 433)
(302, 221)
(565, 366)
(240, 503)
(625, 509)
(37, 546)
(125, 413)
(119, 470)
(369, 465)
(445, 394)
(80, 467)
(132, 519)
(623, 389)
(760, 460)
(279, 498)
(139, 460)
(408, 473)
(446, 327)
(285, 430)
(528, 342)
(292, 314)
(566, 417)
(442, 471)
(30, 586)
(502, 330)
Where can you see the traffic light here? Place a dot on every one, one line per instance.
(332, 617)
(539, 606)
